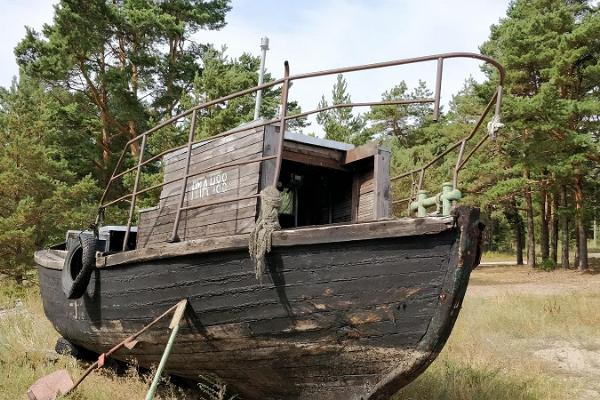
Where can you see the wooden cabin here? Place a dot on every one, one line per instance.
(322, 182)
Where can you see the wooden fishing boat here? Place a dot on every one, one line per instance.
(336, 299)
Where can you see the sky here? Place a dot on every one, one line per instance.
(321, 34)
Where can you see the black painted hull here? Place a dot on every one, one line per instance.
(350, 320)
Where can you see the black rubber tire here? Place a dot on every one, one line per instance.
(79, 265)
(66, 348)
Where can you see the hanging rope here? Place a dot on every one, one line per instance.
(268, 222)
(494, 126)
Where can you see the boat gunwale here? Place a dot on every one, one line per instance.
(323, 234)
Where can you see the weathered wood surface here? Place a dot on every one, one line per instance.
(331, 319)
(371, 185)
(155, 226)
(313, 155)
(361, 152)
(287, 237)
(363, 195)
(381, 180)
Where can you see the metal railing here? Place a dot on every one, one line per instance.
(417, 185)
(282, 119)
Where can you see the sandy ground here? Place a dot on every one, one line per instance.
(569, 359)
(489, 281)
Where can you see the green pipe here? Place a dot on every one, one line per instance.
(163, 361)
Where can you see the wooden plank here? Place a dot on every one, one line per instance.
(172, 189)
(362, 190)
(367, 186)
(249, 153)
(164, 223)
(225, 143)
(222, 184)
(199, 193)
(316, 151)
(382, 184)
(361, 152)
(270, 146)
(164, 215)
(289, 237)
(312, 159)
(188, 228)
(233, 227)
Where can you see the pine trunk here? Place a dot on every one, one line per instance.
(519, 238)
(554, 228)
(530, 224)
(514, 218)
(544, 242)
(580, 224)
(564, 223)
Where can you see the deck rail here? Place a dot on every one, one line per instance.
(282, 118)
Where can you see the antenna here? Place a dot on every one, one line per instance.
(264, 46)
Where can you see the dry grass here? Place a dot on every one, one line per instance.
(26, 353)
(521, 335)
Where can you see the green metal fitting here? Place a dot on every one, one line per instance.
(443, 201)
(448, 196)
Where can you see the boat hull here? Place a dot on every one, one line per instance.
(351, 319)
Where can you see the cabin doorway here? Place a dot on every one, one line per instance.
(313, 195)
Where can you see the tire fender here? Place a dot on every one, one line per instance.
(79, 265)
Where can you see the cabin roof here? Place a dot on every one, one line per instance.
(317, 141)
(289, 136)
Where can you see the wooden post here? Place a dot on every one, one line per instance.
(382, 184)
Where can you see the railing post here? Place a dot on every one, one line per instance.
(174, 235)
(421, 178)
(438, 89)
(134, 194)
(282, 120)
(457, 166)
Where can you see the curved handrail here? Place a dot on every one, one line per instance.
(282, 119)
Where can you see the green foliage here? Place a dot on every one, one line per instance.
(400, 121)
(39, 197)
(222, 76)
(340, 123)
(132, 60)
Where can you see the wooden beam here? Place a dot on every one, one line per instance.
(361, 152)
(382, 184)
(312, 159)
(289, 237)
(267, 168)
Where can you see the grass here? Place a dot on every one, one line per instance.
(26, 343)
(491, 256)
(509, 314)
(491, 353)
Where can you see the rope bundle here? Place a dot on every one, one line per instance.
(268, 222)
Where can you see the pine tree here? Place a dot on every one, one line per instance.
(131, 59)
(340, 123)
(39, 197)
(551, 53)
(223, 75)
(400, 121)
